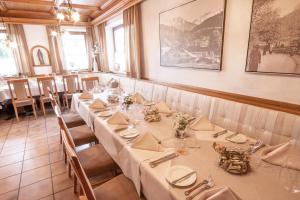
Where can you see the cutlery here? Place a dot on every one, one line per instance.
(232, 135)
(188, 175)
(205, 181)
(215, 135)
(163, 159)
(209, 185)
(258, 145)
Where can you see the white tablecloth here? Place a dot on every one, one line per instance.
(260, 184)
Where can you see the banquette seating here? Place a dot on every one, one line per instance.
(271, 126)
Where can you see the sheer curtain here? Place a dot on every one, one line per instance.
(131, 21)
(103, 48)
(56, 51)
(89, 47)
(21, 53)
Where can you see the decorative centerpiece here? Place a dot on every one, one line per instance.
(233, 161)
(151, 114)
(180, 125)
(128, 100)
(113, 99)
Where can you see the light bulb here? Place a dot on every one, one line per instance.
(75, 16)
(54, 33)
(60, 16)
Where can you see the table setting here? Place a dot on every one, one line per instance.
(171, 155)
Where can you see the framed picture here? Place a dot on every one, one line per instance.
(274, 40)
(40, 56)
(191, 35)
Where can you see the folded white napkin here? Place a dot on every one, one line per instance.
(138, 98)
(202, 124)
(163, 107)
(86, 95)
(285, 154)
(222, 193)
(118, 118)
(98, 104)
(147, 142)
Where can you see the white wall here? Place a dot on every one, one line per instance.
(37, 35)
(233, 77)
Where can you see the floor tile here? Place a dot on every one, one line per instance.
(51, 197)
(12, 150)
(9, 184)
(35, 162)
(61, 182)
(54, 139)
(36, 143)
(55, 147)
(56, 156)
(58, 168)
(36, 191)
(10, 170)
(10, 159)
(36, 152)
(66, 193)
(35, 175)
(13, 195)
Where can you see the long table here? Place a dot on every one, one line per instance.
(262, 183)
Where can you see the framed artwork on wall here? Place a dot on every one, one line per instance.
(274, 38)
(40, 56)
(191, 35)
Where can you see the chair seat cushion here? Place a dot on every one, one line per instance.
(117, 188)
(96, 161)
(24, 102)
(82, 135)
(72, 120)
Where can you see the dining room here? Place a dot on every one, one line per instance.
(150, 100)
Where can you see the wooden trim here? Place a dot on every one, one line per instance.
(255, 101)
(51, 3)
(114, 9)
(16, 20)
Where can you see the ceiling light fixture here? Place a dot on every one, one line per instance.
(69, 14)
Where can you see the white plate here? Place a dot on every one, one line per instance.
(129, 133)
(179, 171)
(239, 139)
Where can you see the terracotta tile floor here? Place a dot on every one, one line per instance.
(31, 161)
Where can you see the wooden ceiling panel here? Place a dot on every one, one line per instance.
(33, 10)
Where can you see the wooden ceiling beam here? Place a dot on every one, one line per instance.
(51, 3)
(32, 14)
(3, 7)
(113, 9)
(15, 20)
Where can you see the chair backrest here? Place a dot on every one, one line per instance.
(79, 172)
(19, 91)
(65, 129)
(52, 98)
(47, 82)
(71, 83)
(88, 83)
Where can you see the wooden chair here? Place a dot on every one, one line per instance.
(45, 84)
(20, 95)
(71, 86)
(89, 83)
(116, 188)
(95, 161)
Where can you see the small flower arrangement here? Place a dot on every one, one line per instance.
(128, 100)
(180, 122)
(232, 160)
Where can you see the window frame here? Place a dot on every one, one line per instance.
(86, 48)
(114, 29)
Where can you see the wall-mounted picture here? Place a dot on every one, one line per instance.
(40, 56)
(274, 41)
(191, 35)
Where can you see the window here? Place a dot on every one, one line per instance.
(114, 31)
(7, 61)
(75, 51)
(119, 57)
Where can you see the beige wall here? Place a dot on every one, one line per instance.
(232, 78)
